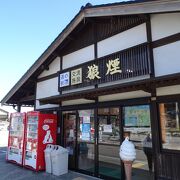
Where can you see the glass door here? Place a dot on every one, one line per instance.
(85, 141)
(109, 165)
(137, 126)
(69, 136)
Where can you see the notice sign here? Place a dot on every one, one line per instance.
(64, 79)
(108, 128)
(76, 76)
(86, 119)
(86, 131)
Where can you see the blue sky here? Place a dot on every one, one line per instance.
(27, 27)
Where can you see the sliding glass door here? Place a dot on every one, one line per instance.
(108, 143)
(69, 136)
(98, 142)
(85, 141)
(93, 138)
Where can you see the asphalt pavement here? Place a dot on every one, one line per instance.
(10, 171)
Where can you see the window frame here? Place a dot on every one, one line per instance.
(160, 100)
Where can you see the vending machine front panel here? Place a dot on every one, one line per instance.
(31, 140)
(41, 130)
(15, 149)
(47, 130)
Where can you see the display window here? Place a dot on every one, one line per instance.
(169, 125)
(137, 126)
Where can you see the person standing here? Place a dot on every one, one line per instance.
(147, 148)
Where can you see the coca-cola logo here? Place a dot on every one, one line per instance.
(48, 121)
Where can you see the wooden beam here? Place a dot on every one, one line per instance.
(166, 40)
(27, 98)
(90, 98)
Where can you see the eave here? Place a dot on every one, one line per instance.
(140, 7)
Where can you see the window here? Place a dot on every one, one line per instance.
(137, 116)
(169, 123)
(137, 126)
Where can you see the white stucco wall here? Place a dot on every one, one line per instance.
(124, 40)
(76, 101)
(38, 106)
(126, 95)
(169, 90)
(164, 25)
(46, 89)
(78, 57)
(53, 68)
(167, 59)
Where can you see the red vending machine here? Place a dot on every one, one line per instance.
(41, 130)
(15, 150)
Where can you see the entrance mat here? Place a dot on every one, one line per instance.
(79, 178)
(107, 171)
(115, 172)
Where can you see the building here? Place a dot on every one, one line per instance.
(3, 115)
(113, 72)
